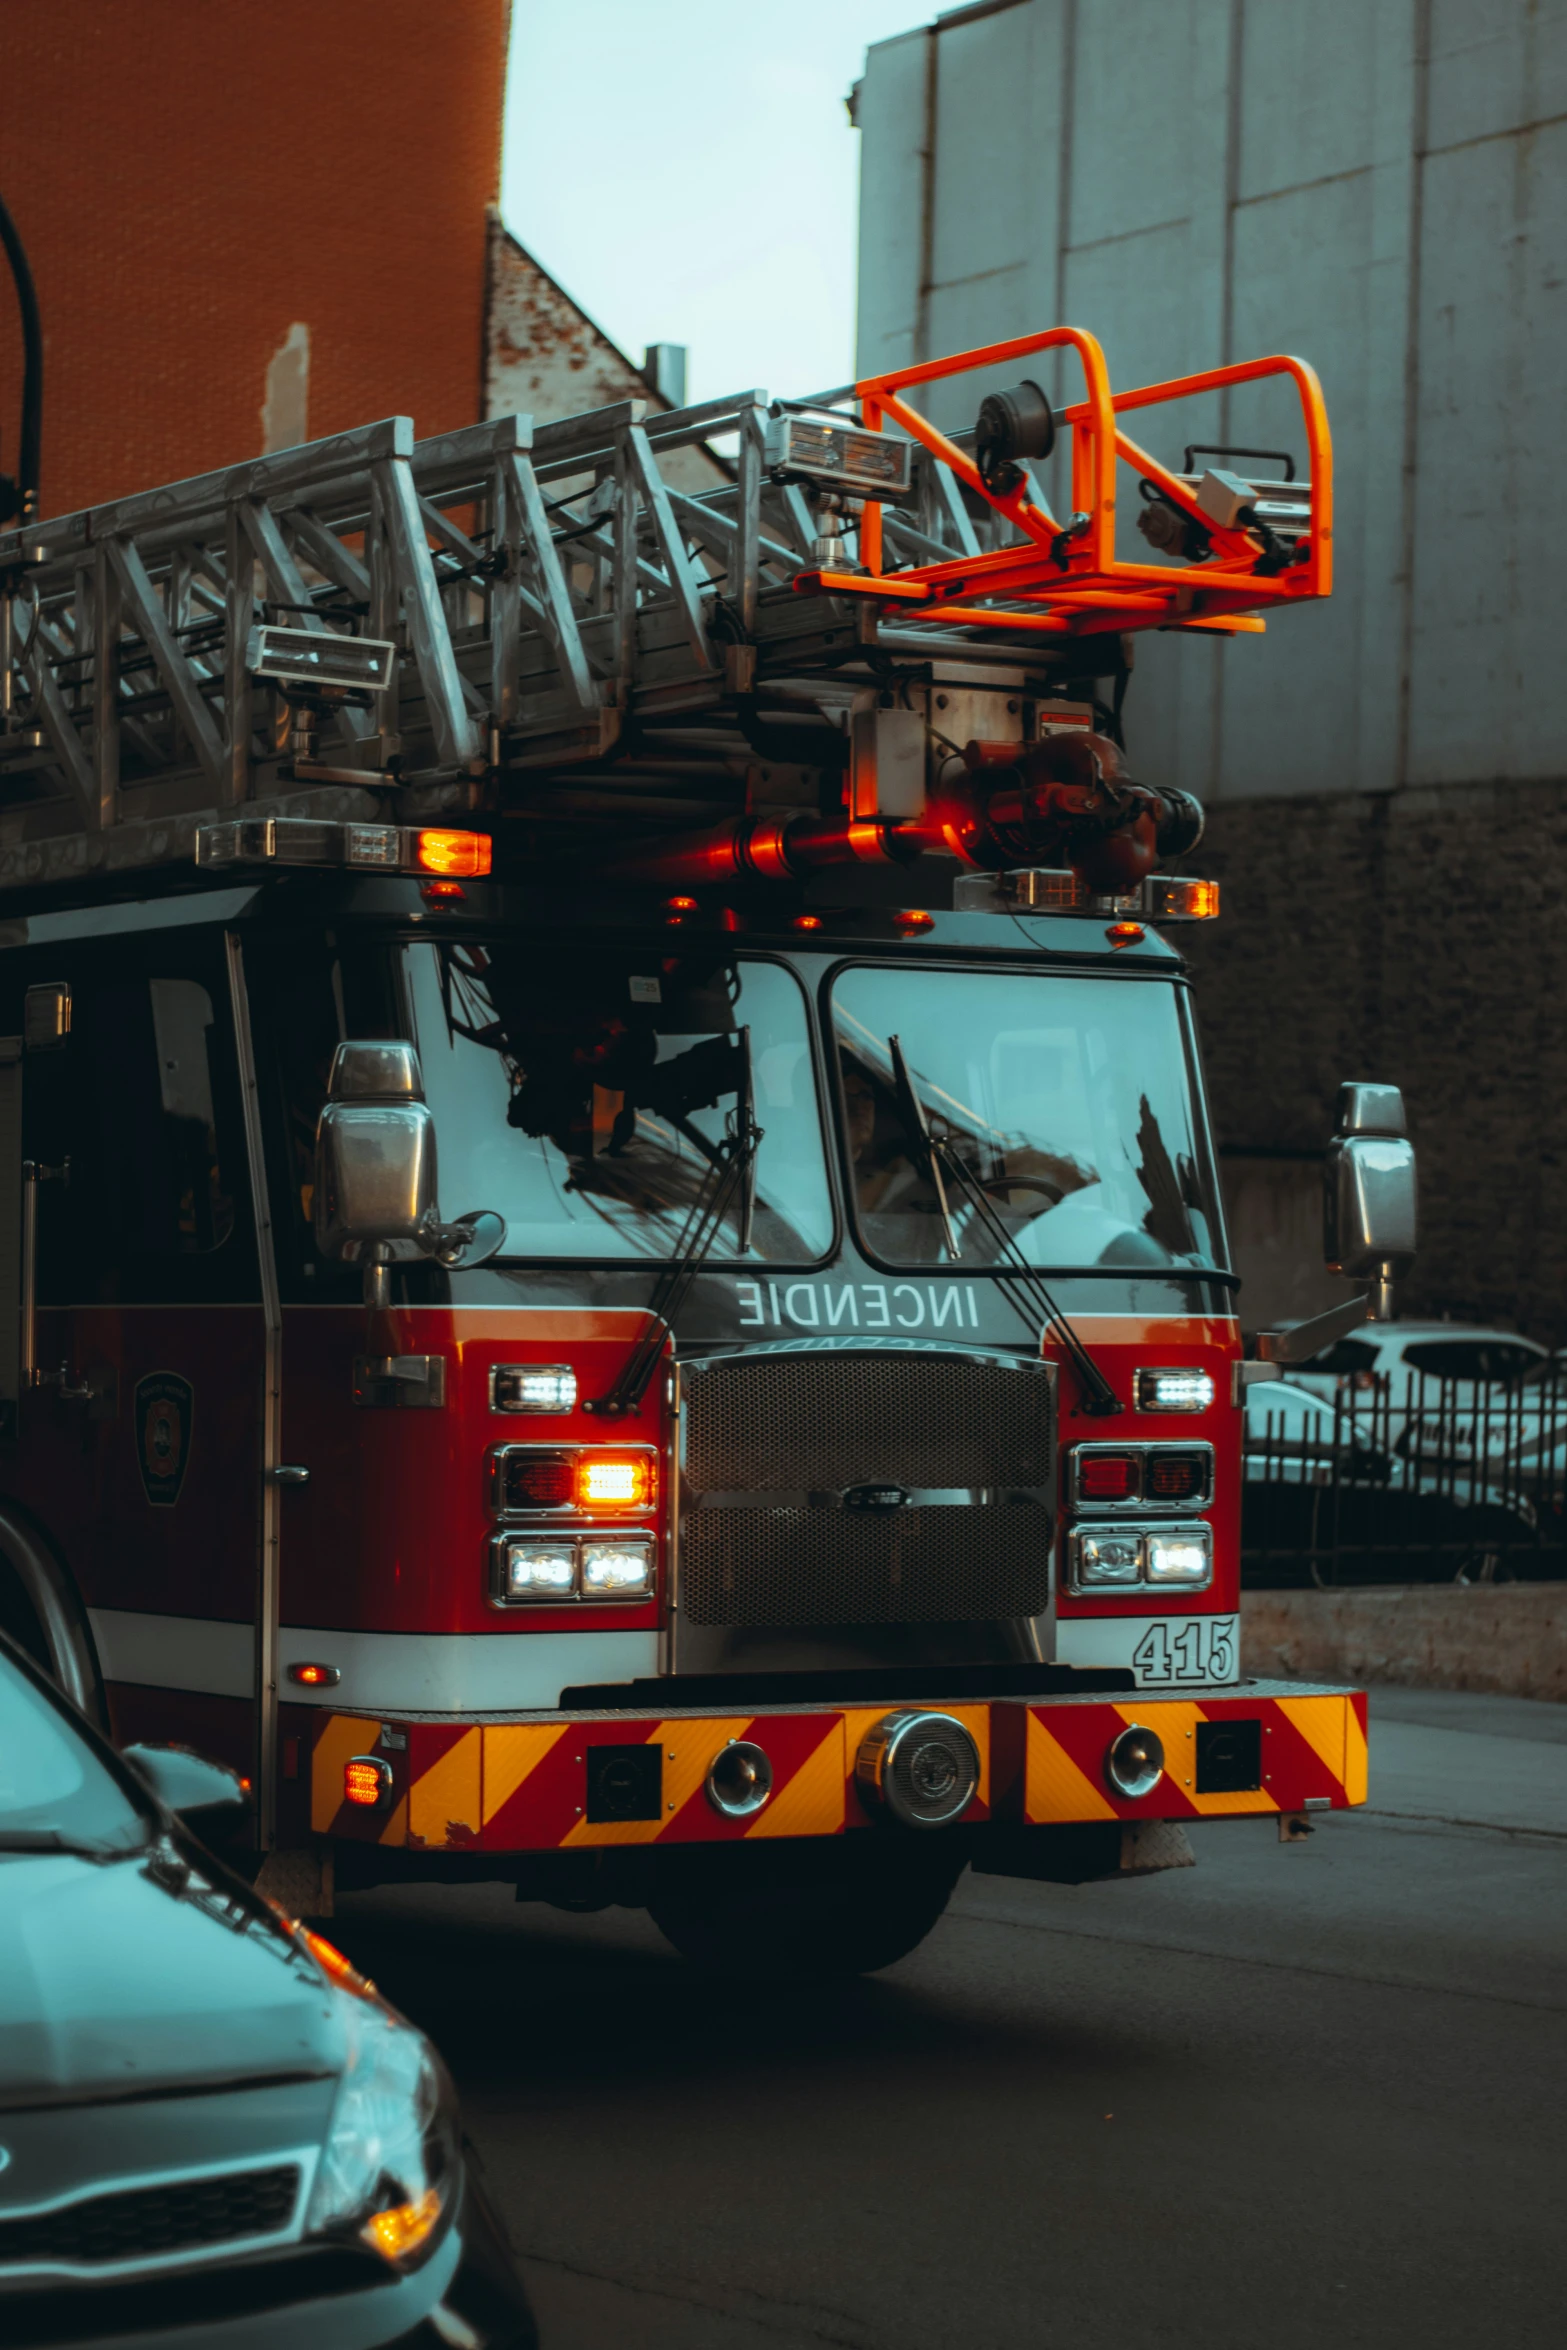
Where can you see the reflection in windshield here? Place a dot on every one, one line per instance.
(51, 1782)
(1068, 1101)
(584, 1095)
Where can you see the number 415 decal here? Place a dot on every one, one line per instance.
(1201, 1649)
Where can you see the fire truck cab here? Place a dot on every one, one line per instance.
(619, 1278)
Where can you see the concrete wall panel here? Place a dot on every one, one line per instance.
(1381, 186)
(890, 109)
(1488, 691)
(1133, 102)
(989, 160)
(1495, 68)
(1301, 283)
(1308, 91)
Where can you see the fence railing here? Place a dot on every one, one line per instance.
(1411, 1479)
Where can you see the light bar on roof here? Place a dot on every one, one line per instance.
(376, 848)
(1039, 889)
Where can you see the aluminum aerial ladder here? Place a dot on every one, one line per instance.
(568, 639)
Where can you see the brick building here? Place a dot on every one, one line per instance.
(254, 227)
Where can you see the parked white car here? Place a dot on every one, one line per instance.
(1404, 1362)
(1394, 1493)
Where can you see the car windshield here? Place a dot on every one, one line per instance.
(52, 1785)
(1070, 1102)
(583, 1094)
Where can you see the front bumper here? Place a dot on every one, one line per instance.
(544, 1783)
(315, 2298)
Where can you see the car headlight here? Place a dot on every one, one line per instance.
(389, 2170)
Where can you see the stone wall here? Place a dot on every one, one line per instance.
(1416, 937)
(1509, 1639)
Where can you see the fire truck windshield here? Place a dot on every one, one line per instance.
(1070, 1101)
(584, 1093)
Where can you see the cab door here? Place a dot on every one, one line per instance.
(138, 1456)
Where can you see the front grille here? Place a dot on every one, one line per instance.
(763, 1431)
(150, 2223)
(758, 1422)
(909, 1566)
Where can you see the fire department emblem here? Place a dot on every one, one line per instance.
(163, 1416)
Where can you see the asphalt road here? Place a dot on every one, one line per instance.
(1296, 2095)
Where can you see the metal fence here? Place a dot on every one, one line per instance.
(1411, 1479)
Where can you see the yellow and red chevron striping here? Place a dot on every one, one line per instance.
(1313, 1749)
(524, 1786)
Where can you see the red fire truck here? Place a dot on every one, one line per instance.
(616, 1273)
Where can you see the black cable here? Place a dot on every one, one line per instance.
(32, 369)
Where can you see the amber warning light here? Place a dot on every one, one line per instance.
(314, 1676)
(456, 856)
(366, 1779)
(615, 1481)
(370, 848)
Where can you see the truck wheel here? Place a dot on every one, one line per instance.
(844, 1908)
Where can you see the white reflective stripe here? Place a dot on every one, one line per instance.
(415, 1672)
(1152, 1647)
(175, 1652)
(459, 1673)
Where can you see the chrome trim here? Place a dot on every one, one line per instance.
(669, 1638)
(750, 1756)
(304, 2158)
(1139, 1587)
(609, 1538)
(1144, 1785)
(558, 1512)
(556, 1370)
(269, 1581)
(877, 1755)
(1141, 1504)
(1174, 1371)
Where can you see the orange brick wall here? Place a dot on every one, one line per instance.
(191, 179)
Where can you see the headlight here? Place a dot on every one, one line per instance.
(1141, 1557)
(389, 2170)
(1112, 1556)
(1182, 1555)
(1174, 1391)
(617, 1570)
(540, 1570)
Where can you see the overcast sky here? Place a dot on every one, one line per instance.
(686, 170)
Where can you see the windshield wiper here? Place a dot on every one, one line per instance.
(912, 1111)
(940, 1156)
(730, 1178)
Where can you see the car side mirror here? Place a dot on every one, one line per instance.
(375, 1173)
(1369, 1193)
(207, 1797)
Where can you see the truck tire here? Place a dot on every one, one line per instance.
(846, 1907)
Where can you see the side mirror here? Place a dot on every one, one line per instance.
(1369, 1203)
(206, 1796)
(375, 1174)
